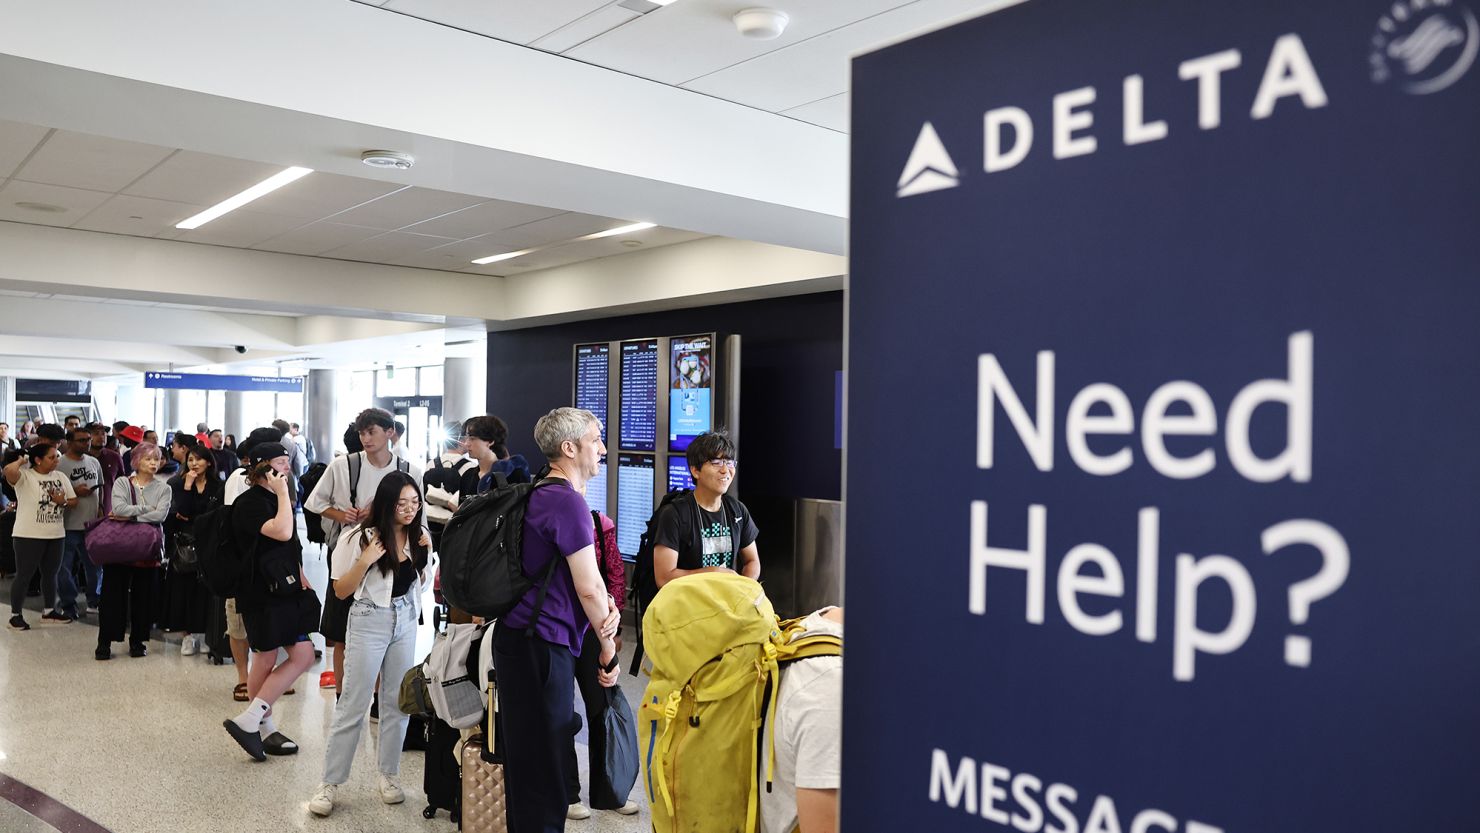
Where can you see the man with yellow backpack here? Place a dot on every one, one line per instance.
(740, 725)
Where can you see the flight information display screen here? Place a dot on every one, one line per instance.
(691, 398)
(678, 473)
(593, 370)
(639, 386)
(634, 501)
(596, 490)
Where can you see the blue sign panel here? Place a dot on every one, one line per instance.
(1181, 300)
(208, 381)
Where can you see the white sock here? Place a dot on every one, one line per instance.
(268, 726)
(251, 719)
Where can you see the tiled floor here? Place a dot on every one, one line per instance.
(137, 746)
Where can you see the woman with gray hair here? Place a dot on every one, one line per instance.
(129, 597)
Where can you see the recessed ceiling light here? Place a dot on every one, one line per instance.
(483, 261)
(613, 232)
(262, 188)
(392, 159)
(43, 207)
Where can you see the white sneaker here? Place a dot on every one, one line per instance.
(390, 791)
(628, 809)
(188, 648)
(578, 811)
(322, 803)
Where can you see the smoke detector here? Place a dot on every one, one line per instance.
(390, 159)
(761, 24)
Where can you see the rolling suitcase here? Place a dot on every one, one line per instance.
(483, 796)
(442, 779)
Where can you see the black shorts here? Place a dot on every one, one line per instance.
(282, 621)
(335, 624)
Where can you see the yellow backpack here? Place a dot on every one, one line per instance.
(716, 646)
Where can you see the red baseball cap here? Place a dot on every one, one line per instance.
(132, 433)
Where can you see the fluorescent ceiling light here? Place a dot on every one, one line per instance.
(663, 2)
(266, 186)
(483, 261)
(612, 232)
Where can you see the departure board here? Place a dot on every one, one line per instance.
(634, 501)
(639, 387)
(678, 473)
(593, 368)
(691, 394)
(596, 490)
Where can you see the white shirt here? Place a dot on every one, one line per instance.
(332, 491)
(375, 587)
(37, 516)
(809, 732)
(236, 483)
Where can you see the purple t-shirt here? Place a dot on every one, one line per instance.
(556, 524)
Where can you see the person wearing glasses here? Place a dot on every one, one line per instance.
(711, 530)
(381, 565)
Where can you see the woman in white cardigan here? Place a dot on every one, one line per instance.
(130, 591)
(382, 563)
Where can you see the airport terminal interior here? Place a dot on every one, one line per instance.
(218, 215)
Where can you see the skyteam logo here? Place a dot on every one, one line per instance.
(929, 167)
(1423, 46)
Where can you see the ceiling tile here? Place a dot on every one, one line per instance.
(16, 141)
(242, 227)
(685, 41)
(202, 179)
(831, 113)
(495, 215)
(319, 195)
(80, 160)
(75, 202)
(406, 207)
(453, 256)
(387, 247)
(818, 68)
(593, 249)
(317, 238)
(517, 21)
(137, 215)
(544, 232)
(579, 31)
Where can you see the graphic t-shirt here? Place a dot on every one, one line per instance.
(85, 472)
(38, 516)
(716, 547)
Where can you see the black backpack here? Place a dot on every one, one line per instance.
(483, 553)
(220, 562)
(645, 579)
(313, 521)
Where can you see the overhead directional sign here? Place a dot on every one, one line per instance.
(1178, 303)
(210, 381)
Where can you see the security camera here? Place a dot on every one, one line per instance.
(241, 348)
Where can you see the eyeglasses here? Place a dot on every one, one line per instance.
(723, 464)
(410, 503)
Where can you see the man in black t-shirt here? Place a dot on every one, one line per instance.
(713, 531)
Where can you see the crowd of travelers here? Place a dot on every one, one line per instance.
(107, 521)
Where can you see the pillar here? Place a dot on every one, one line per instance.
(464, 388)
(235, 422)
(319, 400)
(169, 414)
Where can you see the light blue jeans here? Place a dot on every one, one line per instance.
(379, 640)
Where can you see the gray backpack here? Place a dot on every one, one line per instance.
(456, 697)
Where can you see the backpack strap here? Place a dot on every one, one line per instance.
(539, 601)
(354, 478)
(402, 464)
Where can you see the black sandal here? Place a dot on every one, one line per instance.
(278, 743)
(250, 742)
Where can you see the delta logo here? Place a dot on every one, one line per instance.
(1290, 83)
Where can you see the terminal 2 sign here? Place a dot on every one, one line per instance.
(1176, 303)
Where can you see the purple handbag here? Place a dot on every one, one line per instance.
(123, 542)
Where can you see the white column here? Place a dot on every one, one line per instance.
(464, 388)
(319, 400)
(235, 421)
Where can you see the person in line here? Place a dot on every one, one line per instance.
(342, 507)
(808, 736)
(196, 490)
(262, 518)
(534, 652)
(381, 563)
(299, 460)
(71, 421)
(447, 480)
(7, 443)
(713, 530)
(479, 435)
(129, 436)
(603, 795)
(513, 467)
(151, 437)
(304, 442)
(229, 443)
(227, 460)
(43, 495)
(130, 591)
(103, 448)
(236, 629)
(87, 480)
